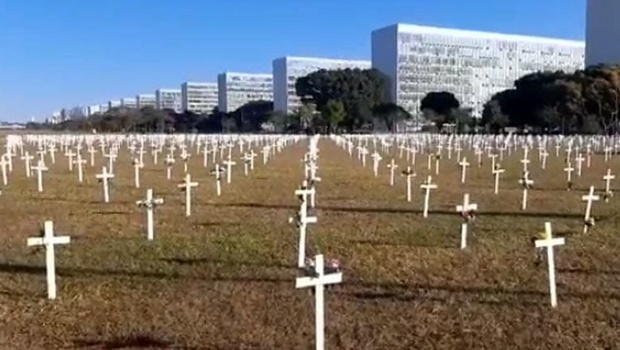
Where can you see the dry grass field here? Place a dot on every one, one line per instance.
(224, 278)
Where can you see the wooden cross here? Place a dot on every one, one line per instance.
(467, 211)
(27, 158)
(608, 177)
(40, 168)
(79, 162)
(549, 242)
(569, 175)
(137, 165)
(302, 220)
(526, 182)
(427, 186)
(392, 167)
(409, 174)
(579, 160)
(150, 203)
(229, 163)
(497, 171)
(104, 178)
(4, 163)
(318, 281)
(70, 154)
(169, 164)
(187, 187)
(376, 158)
(48, 240)
(589, 198)
(464, 164)
(217, 171)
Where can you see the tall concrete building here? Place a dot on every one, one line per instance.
(472, 65)
(169, 99)
(114, 104)
(286, 71)
(145, 100)
(602, 32)
(237, 89)
(199, 98)
(129, 102)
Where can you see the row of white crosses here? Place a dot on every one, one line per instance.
(317, 274)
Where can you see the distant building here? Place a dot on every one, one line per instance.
(145, 100)
(602, 32)
(129, 102)
(471, 65)
(114, 104)
(94, 109)
(286, 71)
(169, 99)
(237, 89)
(104, 108)
(200, 98)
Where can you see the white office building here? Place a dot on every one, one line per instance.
(129, 102)
(602, 32)
(94, 109)
(104, 107)
(237, 89)
(471, 65)
(199, 98)
(169, 99)
(114, 104)
(286, 71)
(145, 100)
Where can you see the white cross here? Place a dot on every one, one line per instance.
(150, 203)
(466, 210)
(217, 171)
(549, 242)
(48, 240)
(464, 166)
(392, 167)
(302, 221)
(27, 158)
(318, 281)
(427, 186)
(497, 171)
(376, 158)
(409, 174)
(229, 163)
(169, 164)
(105, 177)
(137, 165)
(70, 154)
(589, 198)
(187, 187)
(4, 163)
(569, 174)
(40, 168)
(579, 160)
(526, 182)
(608, 177)
(79, 162)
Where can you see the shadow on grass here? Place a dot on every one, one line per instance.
(403, 210)
(134, 342)
(373, 242)
(203, 261)
(86, 272)
(110, 212)
(588, 271)
(486, 295)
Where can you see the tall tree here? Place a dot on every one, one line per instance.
(391, 114)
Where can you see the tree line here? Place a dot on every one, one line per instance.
(332, 100)
(356, 100)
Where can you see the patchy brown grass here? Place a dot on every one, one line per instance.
(224, 278)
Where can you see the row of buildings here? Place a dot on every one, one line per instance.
(417, 59)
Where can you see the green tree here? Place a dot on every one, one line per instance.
(439, 107)
(391, 114)
(359, 91)
(333, 114)
(493, 118)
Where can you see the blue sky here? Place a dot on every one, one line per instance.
(61, 53)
